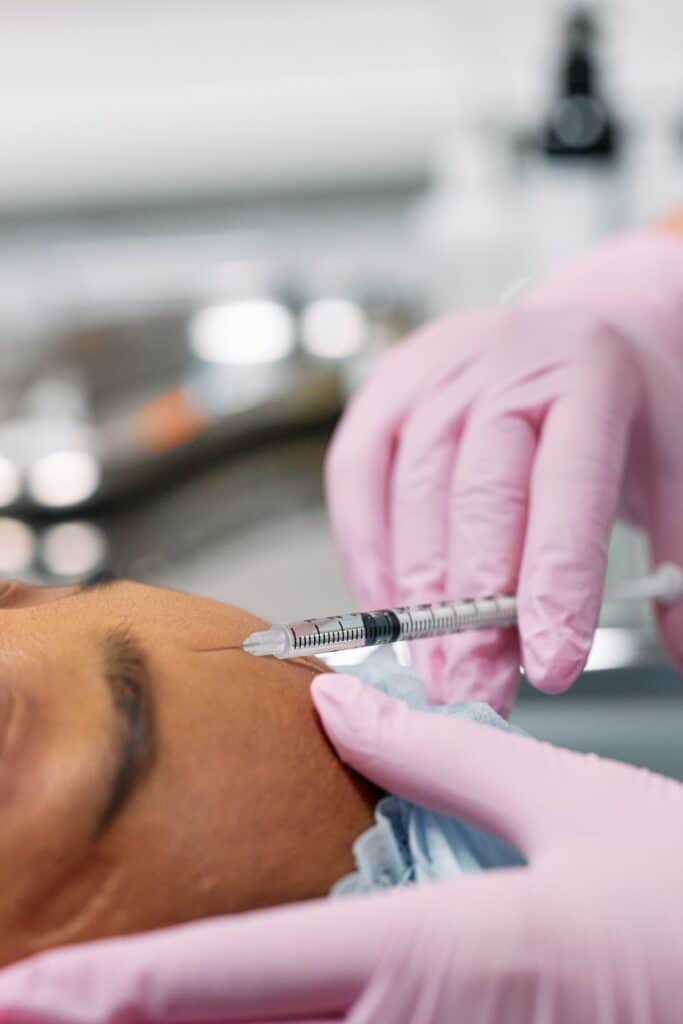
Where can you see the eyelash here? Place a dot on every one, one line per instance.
(128, 695)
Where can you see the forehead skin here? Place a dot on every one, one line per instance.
(245, 804)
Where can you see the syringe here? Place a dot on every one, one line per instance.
(369, 629)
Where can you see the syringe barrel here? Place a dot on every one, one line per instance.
(366, 629)
(318, 636)
(456, 616)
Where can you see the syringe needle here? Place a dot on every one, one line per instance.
(210, 650)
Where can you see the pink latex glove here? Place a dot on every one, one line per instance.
(591, 931)
(492, 451)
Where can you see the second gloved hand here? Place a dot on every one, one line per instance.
(589, 932)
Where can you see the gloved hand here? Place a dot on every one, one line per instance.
(590, 931)
(492, 452)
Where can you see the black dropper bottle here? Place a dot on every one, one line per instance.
(580, 123)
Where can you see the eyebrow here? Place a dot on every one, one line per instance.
(127, 677)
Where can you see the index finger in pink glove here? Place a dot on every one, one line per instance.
(461, 487)
(359, 465)
(446, 543)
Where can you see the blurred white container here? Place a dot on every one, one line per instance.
(468, 224)
(567, 206)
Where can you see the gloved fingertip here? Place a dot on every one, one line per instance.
(335, 689)
(360, 722)
(344, 705)
(553, 662)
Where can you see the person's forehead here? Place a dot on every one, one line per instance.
(169, 611)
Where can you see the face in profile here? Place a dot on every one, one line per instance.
(146, 782)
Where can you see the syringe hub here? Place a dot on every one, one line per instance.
(274, 642)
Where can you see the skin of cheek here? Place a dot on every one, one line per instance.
(275, 823)
(203, 839)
